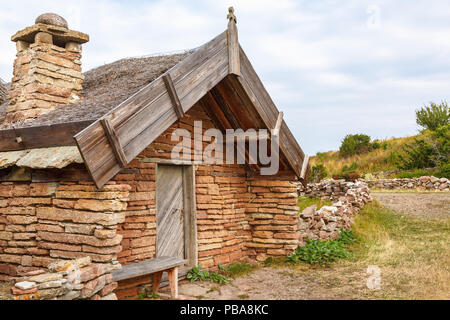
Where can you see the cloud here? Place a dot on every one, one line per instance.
(333, 67)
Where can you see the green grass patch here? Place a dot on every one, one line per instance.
(235, 270)
(305, 202)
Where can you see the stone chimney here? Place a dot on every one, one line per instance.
(47, 70)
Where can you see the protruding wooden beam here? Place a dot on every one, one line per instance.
(173, 95)
(234, 64)
(304, 167)
(114, 141)
(276, 129)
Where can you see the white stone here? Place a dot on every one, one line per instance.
(25, 285)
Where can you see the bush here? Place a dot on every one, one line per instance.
(318, 172)
(444, 171)
(354, 144)
(433, 116)
(323, 252)
(417, 155)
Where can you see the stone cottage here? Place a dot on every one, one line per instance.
(87, 166)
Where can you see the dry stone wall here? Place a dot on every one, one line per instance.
(67, 280)
(422, 183)
(333, 189)
(326, 223)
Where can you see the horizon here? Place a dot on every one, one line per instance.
(356, 67)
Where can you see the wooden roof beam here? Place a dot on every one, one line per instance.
(173, 95)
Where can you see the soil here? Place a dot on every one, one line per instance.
(417, 205)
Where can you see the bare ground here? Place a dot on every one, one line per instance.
(417, 205)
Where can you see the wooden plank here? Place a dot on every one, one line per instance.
(54, 135)
(143, 117)
(147, 267)
(114, 141)
(169, 211)
(276, 130)
(233, 44)
(190, 216)
(173, 282)
(173, 95)
(304, 167)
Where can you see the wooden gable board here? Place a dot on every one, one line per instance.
(144, 116)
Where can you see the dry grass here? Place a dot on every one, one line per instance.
(381, 159)
(413, 254)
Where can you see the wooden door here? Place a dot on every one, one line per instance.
(170, 240)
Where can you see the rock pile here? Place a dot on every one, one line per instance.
(326, 223)
(68, 280)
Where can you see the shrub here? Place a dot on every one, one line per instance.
(354, 144)
(318, 172)
(444, 171)
(417, 155)
(323, 252)
(433, 116)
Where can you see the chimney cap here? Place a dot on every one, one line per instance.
(52, 19)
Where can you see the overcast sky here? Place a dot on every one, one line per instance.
(333, 67)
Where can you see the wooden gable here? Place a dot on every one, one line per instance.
(113, 141)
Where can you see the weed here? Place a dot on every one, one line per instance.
(323, 252)
(197, 274)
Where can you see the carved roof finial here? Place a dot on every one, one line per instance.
(231, 15)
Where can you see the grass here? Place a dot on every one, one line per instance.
(304, 202)
(380, 159)
(235, 270)
(413, 254)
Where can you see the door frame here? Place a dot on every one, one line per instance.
(189, 209)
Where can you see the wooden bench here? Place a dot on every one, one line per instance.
(156, 267)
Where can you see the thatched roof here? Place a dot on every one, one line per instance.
(107, 86)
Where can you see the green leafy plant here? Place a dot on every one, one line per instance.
(323, 252)
(197, 274)
(354, 144)
(148, 295)
(318, 172)
(433, 116)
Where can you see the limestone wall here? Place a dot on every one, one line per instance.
(41, 223)
(67, 280)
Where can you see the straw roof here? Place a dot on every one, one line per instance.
(107, 86)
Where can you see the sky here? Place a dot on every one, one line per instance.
(333, 67)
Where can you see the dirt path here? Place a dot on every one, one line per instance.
(417, 205)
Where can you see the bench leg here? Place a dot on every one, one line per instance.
(173, 281)
(156, 281)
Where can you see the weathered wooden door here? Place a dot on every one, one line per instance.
(170, 240)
